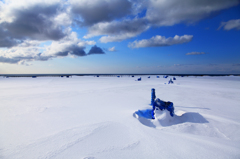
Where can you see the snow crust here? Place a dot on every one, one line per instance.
(108, 117)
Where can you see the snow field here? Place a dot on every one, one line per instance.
(97, 117)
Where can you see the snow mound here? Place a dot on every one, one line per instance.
(164, 119)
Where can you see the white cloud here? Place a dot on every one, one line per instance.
(231, 24)
(112, 49)
(161, 41)
(63, 19)
(30, 50)
(26, 51)
(195, 53)
(117, 38)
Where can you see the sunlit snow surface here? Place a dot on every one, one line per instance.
(100, 118)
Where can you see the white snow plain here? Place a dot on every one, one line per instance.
(86, 117)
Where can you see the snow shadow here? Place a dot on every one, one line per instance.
(144, 117)
(163, 118)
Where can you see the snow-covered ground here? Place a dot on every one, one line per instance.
(100, 118)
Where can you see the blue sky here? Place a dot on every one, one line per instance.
(120, 36)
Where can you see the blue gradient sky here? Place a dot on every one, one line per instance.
(213, 49)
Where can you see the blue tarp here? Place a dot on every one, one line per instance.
(162, 105)
(145, 113)
(170, 81)
(153, 96)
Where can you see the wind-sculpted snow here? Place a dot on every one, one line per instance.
(77, 141)
(108, 117)
(164, 119)
(185, 122)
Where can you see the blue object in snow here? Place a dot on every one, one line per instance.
(166, 77)
(148, 76)
(174, 78)
(34, 76)
(170, 81)
(139, 79)
(157, 76)
(132, 76)
(153, 96)
(162, 105)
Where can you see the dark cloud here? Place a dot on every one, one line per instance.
(22, 59)
(9, 60)
(72, 50)
(62, 53)
(6, 40)
(118, 30)
(96, 50)
(100, 10)
(43, 58)
(78, 51)
(168, 13)
(35, 23)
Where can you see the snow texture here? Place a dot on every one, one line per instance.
(108, 117)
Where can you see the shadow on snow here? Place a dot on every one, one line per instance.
(163, 118)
